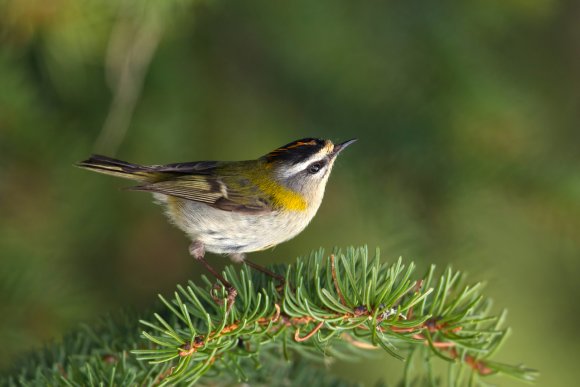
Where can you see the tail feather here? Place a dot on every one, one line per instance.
(111, 166)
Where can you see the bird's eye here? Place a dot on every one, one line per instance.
(314, 168)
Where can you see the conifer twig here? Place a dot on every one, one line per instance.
(329, 307)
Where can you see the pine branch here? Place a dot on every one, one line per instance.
(329, 307)
(98, 355)
(341, 306)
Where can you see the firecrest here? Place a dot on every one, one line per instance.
(236, 207)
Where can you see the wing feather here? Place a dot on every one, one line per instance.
(229, 193)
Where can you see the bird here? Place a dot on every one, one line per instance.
(236, 207)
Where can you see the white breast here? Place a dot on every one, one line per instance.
(226, 232)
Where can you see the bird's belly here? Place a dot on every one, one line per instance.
(226, 232)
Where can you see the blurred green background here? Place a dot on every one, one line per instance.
(467, 115)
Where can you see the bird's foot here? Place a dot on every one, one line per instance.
(230, 299)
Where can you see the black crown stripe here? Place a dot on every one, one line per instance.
(296, 151)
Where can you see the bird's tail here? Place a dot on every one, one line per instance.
(110, 166)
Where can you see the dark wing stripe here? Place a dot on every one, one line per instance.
(196, 167)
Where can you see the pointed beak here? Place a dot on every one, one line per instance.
(340, 147)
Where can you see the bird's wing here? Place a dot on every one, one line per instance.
(195, 167)
(197, 182)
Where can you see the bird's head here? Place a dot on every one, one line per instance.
(303, 166)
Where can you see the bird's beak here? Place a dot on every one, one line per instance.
(339, 147)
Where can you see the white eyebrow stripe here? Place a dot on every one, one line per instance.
(294, 169)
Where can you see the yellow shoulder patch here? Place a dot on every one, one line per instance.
(289, 200)
(282, 197)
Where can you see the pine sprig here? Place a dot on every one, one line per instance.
(98, 355)
(329, 306)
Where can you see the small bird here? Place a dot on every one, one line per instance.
(236, 207)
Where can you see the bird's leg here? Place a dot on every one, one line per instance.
(197, 251)
(265, 270)
(241, 258)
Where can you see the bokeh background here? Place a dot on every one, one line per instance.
(467, 115)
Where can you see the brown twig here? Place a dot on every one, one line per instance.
(277, 315)
(191, 347)
(309, 335)
(478, 365)
(436, 344)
